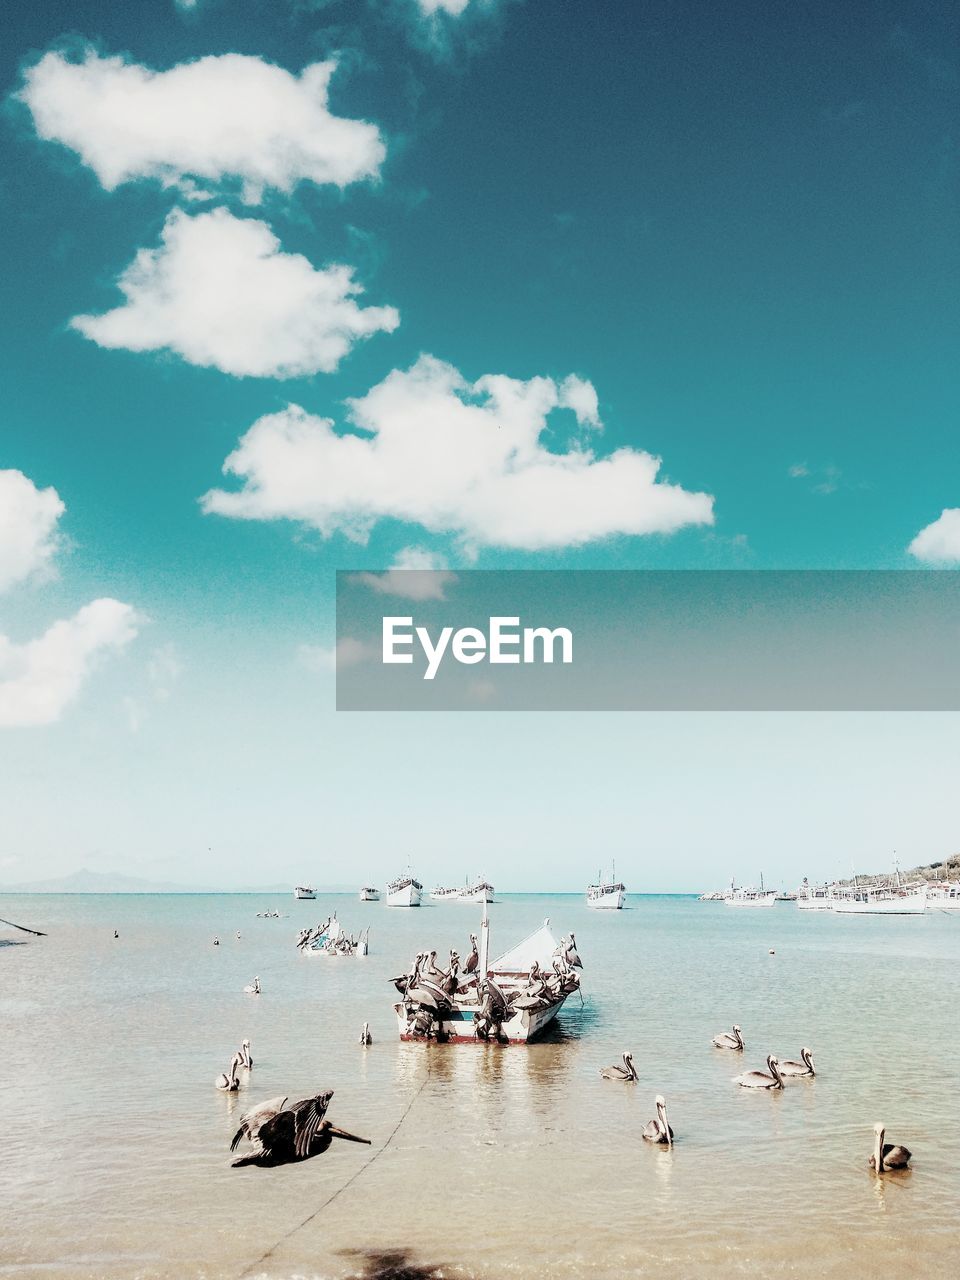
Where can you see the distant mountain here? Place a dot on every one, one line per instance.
(85, 881)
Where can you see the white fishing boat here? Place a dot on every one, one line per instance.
(369, 894)
(304, 892)
(814, 897)
(885, 901)
(607, 895)
(944, 896)
(500, 1006)
(404, 892)
(749, 896)
(479, 891)
(444, 895)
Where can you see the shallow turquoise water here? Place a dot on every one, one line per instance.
(516, 1161)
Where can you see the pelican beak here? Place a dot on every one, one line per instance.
(347, 1137)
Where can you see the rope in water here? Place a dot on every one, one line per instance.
(265, 1257)
(24, 928)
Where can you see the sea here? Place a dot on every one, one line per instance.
(485, 1161)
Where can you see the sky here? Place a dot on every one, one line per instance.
(292, 286)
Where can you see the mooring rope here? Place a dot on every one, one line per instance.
(345, 1186)
(23, 927)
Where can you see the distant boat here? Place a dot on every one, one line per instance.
(304, 891)
(443, 895)
(607, 895)
(944, 896)
(887, 901)
(750, 897)
(479, 891)
(404, 892)
(369, 894)
(814, 897)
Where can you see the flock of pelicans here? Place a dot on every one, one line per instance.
(886, 1156)
(281, 1132)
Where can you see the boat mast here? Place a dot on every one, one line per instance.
(484, 940)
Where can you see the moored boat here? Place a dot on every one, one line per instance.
(749, 896)
(814, 897)
(944, 896)
(480, 891)
(305, 892)
(512, 1000)
(606, 895)
(887, 901)
(331, 939)
(369, 894)
(439, 894)
(404, 892)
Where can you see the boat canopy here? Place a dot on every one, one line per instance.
(540, 946)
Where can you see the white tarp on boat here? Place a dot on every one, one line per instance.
(540, 946)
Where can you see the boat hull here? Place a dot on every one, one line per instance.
(911, 906)
(459, 1026)
(607, 901)
(305, 895)
(479, 896)
(369, 895)
(408, 896)
(814, 904)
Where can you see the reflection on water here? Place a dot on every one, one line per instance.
(487, 1160)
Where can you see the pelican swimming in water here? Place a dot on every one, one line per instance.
(804, 1068)
(365, 1036)
(625, 1073)
(760, 1079)
(253, 988)
(296, 1133)
(885, 1155)
(659, 1130)
(251, 1120)
(230, 1083)
(245, 1059)
(729, 1039)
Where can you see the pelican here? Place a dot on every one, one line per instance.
(245, 1059)
(571, 956)
(216, 942)
(251, 1120)
(473, 959)
(253, 988)
(885, 1155)
(804, 1068)
(760, 1079)
(625, 1073)
(365, 1036)
(659, 1130)
(729, 1039)
(116, 933)
(296, 1133)
(230, 1083)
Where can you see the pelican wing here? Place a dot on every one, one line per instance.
(255, 1118)
(308, 1117)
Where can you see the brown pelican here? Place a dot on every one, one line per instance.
(365, 1036)
(804, 1068)
(473, 959)
(251, 1121)
(245, 1059)
(885, 1155)
(728, 1039)
(570, 954)
(625, 1073)
(116, 934)
(659, 1130)
(216, 942)
(296, 1133)
(253, 988)
(760, 1079)
(230, 1083)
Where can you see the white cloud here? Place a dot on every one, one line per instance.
(416, 574)
(39, 679)
(28, 524)
(227, 118)
(221, 293)
(347, 652)
(453, 7)
(939, 543)
(454, 458)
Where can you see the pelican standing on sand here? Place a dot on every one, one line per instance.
(365, 1036)
(804, 1068)
(659, 1130)
(253, 988)
(760, 1079)
(625, 1073)
(230, 1083)
(729, 1039)
(245, 1059)
(886, 1156)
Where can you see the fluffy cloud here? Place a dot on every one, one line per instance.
(28, 523)
(230, 117)
(453, 7)
(39, 679)
(221, 293)
(454, 458)
(416, 574)
(347, 652)
(939, 543)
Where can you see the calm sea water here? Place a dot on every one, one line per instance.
(507, 1162)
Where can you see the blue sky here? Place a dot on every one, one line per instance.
(737, 224)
